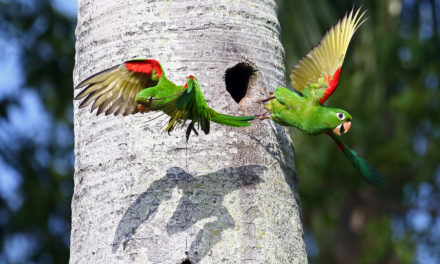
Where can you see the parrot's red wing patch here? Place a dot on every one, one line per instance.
(332, 84)
(144, 66)
(113, 91)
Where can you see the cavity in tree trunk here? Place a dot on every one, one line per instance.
(142, 196)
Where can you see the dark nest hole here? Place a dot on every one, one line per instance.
(237, 80)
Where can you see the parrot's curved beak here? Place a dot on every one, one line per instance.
(342, 128)
(142, 108)
(143, 102)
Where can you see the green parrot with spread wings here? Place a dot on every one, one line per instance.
(315, 78)
(141, 86)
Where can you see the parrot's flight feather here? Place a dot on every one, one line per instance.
(113, 91)
(322, 66)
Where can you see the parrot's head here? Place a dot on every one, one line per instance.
(339, 121)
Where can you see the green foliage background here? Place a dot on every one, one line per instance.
(390, 85)
(35, 221)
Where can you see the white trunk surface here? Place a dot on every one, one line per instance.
(142, 196)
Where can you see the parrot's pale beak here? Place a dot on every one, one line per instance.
(342, 128)
(142, 108)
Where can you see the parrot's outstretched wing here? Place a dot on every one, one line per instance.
(113, 91)
(191, 105)
(370, 174)
(320, 69)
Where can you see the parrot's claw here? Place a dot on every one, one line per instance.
(265, 99)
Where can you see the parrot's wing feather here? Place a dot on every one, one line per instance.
(370, 174)
(113, 91)
(322, 66)
(191, 105)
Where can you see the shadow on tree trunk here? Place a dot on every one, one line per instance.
(197, 203)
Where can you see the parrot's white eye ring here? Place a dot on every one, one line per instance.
(340, 116)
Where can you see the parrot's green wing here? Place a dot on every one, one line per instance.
(317, 74)
(113, 91)
(370, 174)
(192, 105)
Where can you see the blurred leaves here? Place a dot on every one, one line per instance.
(390, 85)
(4, 104)
(36, 138)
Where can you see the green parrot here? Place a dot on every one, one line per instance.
(315, 78)
(140, 85)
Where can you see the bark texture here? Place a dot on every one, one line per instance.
(142, 196)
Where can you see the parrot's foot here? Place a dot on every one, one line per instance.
(265, 99)
(262, 117)
(189, 129)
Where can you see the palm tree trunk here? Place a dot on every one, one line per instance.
(142, 196)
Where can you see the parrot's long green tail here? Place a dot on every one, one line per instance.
(234, 121)
(370, 174)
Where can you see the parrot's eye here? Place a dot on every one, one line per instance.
(341, 116)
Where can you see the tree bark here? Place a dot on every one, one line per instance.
(142, 196)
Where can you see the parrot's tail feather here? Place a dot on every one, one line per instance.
(234, 121)
(370, 174)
